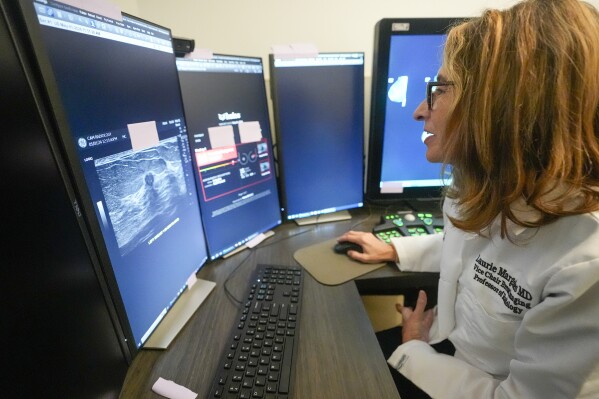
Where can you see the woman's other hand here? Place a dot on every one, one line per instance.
(417, 322)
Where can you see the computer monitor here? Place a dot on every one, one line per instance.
(318, 105)
(114, 95)
(229, 132)
(407, 54)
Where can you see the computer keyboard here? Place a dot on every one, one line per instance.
(259, 357)
(407, 224)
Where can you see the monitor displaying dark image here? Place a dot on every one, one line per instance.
(114, 90)
(229, 132)
(319, 115)
(408, 54)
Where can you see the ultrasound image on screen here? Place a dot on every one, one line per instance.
(142, 190)
(115, 85)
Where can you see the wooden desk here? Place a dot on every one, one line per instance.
(338, 354)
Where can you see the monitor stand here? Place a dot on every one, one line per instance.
(251, 243)
(324, 218)
(189, 301)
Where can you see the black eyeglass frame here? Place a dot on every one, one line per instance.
(429, 91)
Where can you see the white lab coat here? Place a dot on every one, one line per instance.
(524, 318)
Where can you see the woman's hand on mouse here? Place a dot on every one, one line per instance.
(373, 249)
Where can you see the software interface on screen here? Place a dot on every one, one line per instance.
(119, 90)
(229, 132)
(319, 112)
(413, 61)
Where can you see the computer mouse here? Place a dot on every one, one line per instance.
(343, 246)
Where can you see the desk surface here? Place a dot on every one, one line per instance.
(338, 354)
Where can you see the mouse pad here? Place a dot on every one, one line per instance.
(330, 268)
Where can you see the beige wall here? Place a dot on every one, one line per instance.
(128, 6)
(250, 27)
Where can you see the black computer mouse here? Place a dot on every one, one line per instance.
(343, 246)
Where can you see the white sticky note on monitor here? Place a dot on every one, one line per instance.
(191, 280)
(98, 7)
(390, 187)
(221, 136)
(250, 132)
(295, 50)
(143, 135)
(200, 54)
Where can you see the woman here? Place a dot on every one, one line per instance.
(515, 113)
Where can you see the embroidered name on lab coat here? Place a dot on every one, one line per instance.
(515, 297)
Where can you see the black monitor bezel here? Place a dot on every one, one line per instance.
(384, 30)
(277, 126)
(271, 139)
(83, 204)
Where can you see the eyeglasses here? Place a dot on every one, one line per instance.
(431, 91)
